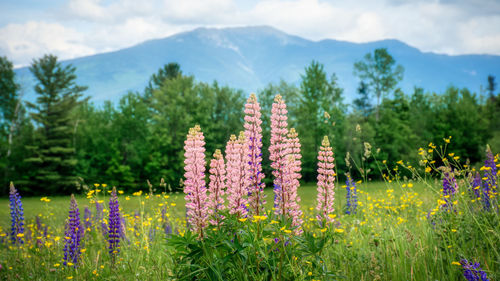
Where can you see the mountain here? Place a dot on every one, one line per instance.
(249, 58)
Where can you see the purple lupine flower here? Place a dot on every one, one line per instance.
(114, 226)
(490, 176)
(151, 233)
(87, 218)
(16, 215)
(122, 229)
(472, 271)
(137, 222)
(352, 198)
(476, 186)
(73, 235)
(450, 187)
(491, 171)
(167, 228)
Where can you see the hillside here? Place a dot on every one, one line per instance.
(251, 57)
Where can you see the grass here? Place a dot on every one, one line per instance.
(390, 237)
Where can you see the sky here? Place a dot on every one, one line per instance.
(75, 28)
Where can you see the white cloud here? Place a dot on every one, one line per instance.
(82, 27)
(24, 42)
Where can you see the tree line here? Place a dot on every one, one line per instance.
(62, 141)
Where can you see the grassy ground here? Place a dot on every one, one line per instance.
(389, 238)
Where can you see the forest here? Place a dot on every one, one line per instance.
(63, 142)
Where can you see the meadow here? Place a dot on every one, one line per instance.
(435, 219)
(389, 237)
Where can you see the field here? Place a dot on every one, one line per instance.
(389, 238)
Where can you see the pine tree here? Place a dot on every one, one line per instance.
(53, 156)
(10, 109)
(363, 102)
(321, 113)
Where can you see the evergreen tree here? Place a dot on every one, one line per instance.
(394, 136)
(8, 95)
(321, 113)
(380, 73)
(492, 86)
(362, 103)
(10, 107)
(53, 156)
(167, 72)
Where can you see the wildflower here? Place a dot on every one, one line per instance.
(490, 174)
(167, 227)
(450, 187)
(87, 215)
(285, 161)
(16, 215)
(253, 133)
(472, 271)
(326, 181)
(237, 174)
(292, 176)
(368, 149)
(278, 151)
(194, 186)
(351, 196)
(114, 226)
(74, 231)
(476, 186)
(216, 187)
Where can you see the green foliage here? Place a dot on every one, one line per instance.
(53, 156)
(292, 98)
(11, 113)
(140, 138)
(180, 104)
(362, 104)
(394, 136)
(380, 72)
(255, 250)
(321, 112)
(8, 95)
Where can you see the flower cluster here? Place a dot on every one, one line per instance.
(476, 186)
(351, 196)
(490, 176)
(472, 271)
(278, 151)
(450, 188)
(216, 187)
(73, 235)
(16, 215)
(115, 227)
(194, 185)
(87, 218)
(326, 182)
(253, 133)
(292, 176)
(237, 169)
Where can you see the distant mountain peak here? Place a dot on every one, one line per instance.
(251, 57)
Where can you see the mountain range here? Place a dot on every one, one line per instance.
(249, 58)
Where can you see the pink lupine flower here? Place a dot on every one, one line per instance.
(278, 150)
(292, 176)
(237, 169)
(253, 133)
(194, 185)
(326, 181)
(216, 187)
